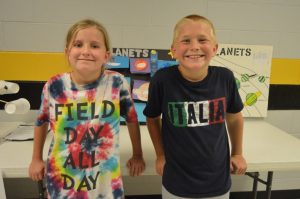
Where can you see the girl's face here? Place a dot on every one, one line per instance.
(87, 54)
(194, 46)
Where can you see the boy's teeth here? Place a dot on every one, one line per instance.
(194, 56)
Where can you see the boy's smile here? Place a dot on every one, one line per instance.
(194, 56)
(194, 47)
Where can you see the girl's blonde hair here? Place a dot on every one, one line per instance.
(86, 23)
(193, 17)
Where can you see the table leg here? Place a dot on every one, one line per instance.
(41, 189)
(255, 182)
(269, 184)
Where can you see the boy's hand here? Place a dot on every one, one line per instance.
(136, 165)
(37, 170)
(238, 164)
(160, 164)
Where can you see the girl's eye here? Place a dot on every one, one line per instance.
(95, 46)
(77, 45)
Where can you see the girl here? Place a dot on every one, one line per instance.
(83, 108)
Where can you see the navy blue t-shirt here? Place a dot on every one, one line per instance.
(193, 129)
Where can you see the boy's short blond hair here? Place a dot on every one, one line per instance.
(193, 17)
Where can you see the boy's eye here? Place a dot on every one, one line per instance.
(185, 41)
(202, 40)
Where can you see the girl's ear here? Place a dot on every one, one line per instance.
(66, 52)
(108, 56)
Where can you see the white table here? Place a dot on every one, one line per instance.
(266, 148)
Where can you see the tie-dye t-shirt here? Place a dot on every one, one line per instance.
(83, 159)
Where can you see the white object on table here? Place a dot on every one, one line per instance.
(2, 189)
(8, 87)
(21, 133)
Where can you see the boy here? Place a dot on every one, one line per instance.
(195, 100)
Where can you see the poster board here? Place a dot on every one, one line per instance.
(251, 65)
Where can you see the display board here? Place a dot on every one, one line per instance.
(251, 65)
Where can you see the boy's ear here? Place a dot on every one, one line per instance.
(173, 51)
(216, 48)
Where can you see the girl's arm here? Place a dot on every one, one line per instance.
(136, 163)
(37, 165)
(235, 126)
(154, 128)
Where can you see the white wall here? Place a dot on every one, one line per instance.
(35, 25)
(285, 120)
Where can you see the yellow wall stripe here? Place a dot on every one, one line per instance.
(35, 66)
(31, 66)
(285, 71)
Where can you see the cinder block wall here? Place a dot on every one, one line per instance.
(40, 26)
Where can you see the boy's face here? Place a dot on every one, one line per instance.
(194, 46)
(87, 53)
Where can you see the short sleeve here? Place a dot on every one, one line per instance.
(43, 113)
(234, 102)
(127, 110)
(154, 104)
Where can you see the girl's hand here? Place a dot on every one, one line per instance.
(136, 165)
(160, 164)
(37, 170)
(238, 164)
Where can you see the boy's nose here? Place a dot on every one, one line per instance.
(195, 45)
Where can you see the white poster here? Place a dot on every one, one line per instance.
(251, 65)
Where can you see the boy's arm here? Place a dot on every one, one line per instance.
(37, 165)
(136, 163)
(235, 126)
(154, 128)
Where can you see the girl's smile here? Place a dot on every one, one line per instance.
(87, 54)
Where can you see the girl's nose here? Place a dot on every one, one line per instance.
(86, 50)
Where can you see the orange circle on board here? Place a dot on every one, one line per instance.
(140, 64)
